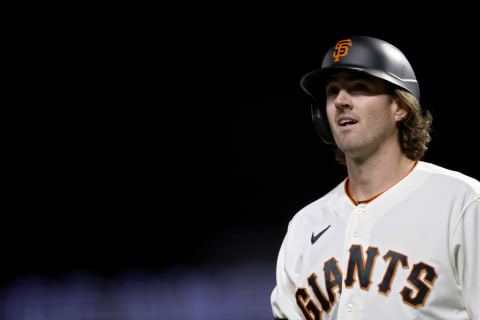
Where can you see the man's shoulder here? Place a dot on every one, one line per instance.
(325, 203)
(449, 178)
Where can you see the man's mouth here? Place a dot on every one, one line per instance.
(346, 121)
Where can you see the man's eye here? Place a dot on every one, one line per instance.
(360, 87)
(331, 91)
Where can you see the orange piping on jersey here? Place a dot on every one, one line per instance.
(356, 203)
(347, 192)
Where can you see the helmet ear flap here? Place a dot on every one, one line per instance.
(320, 122)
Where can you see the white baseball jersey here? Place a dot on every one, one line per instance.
(411, 253)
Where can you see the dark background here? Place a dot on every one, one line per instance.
(190, 143)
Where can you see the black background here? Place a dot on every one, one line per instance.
(190, 141)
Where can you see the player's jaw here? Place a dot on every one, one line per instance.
(364, 126)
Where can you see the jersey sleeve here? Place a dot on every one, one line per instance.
(466, 256)
(283, 296)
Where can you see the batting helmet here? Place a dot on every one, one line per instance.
(365, 54)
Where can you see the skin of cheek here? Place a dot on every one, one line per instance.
(377, 123)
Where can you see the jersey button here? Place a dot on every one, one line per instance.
(356, 234)
(360, 211)
(349, 307)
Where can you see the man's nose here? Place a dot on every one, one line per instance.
(343, 99)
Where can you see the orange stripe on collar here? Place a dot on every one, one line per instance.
(356, 203)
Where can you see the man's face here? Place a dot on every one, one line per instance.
(361, 113)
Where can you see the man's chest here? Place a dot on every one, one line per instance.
(390, 258)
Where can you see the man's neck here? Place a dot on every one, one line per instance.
(373, 175)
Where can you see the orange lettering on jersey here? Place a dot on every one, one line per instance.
(395, 259)
(309, 309)
(423, 289)
(333, 278)
(312, 282)
(364, 269)
(360, 269)
(341, 49)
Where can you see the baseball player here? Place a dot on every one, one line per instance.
(399, 237)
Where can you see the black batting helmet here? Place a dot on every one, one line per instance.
(360, 53)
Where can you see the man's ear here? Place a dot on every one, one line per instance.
(401, 110)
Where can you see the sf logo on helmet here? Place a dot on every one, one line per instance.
(341, 49)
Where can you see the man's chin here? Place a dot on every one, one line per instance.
(352, 151)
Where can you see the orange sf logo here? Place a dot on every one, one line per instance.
(341, 49)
